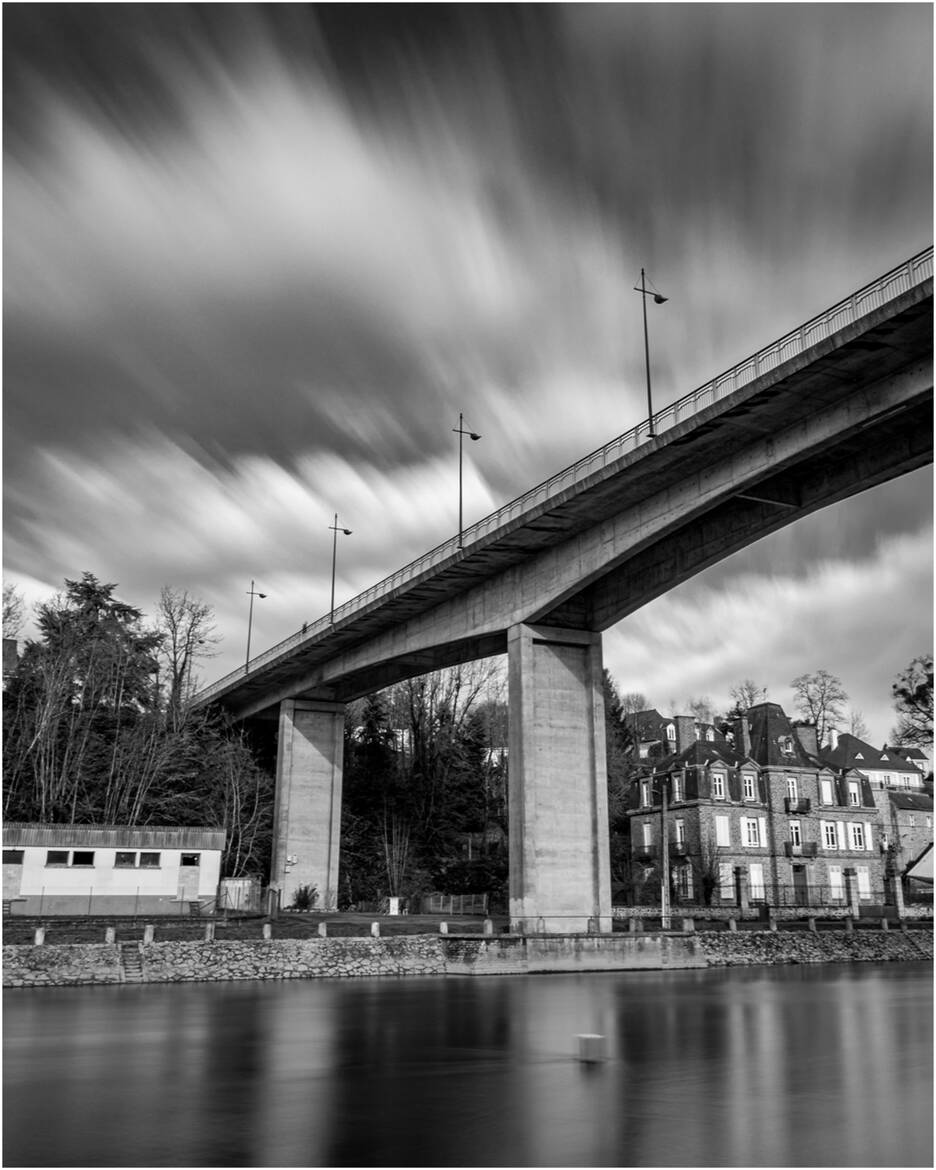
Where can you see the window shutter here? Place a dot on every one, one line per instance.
(840, 830)
(869, 842)
(722, 831)
(763, 831)
(734, 785)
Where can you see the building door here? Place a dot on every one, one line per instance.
(800, 886)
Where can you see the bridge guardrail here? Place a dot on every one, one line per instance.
(847, 311)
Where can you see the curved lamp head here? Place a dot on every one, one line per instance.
(474, 436)
(659, 299)
(261, 595)
(346, 531)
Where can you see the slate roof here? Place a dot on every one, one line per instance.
(852, 752)
(914, 801)
(771, 730)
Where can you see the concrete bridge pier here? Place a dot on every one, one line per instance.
(558, 790)
(307, 810)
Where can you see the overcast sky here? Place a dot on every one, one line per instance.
(258, 259)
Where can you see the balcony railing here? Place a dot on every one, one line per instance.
(903, 278)
(807, 849)
(797, 805)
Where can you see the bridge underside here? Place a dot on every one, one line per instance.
(851, 413)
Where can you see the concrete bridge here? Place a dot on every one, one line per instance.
(835, 407)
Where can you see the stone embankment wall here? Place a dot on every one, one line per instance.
(171, 962)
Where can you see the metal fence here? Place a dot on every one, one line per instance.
(903, 278)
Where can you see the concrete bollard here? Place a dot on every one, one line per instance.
(849, 925)
(267, 930)
(634, 924)
(732, 924)
(443, 928)
(209, 932)
(488, 926)
(592, 1047)
(148, 931)
(39, 936)
(885, 925)
(110, 934)
(811, 925)
(375, 929)
(771, 923)
(688, 925)
(323, 929)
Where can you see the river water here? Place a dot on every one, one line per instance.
(771, 1066)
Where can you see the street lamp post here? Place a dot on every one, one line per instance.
(336, 528)
(664, 857)
(658, 299)
(253, 593)
(461, 432)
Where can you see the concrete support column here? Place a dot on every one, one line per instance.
(559, 853)
(307, 816)
(896, 889)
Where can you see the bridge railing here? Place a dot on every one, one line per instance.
(872, 296)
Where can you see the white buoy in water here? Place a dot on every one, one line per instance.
(591, 1047)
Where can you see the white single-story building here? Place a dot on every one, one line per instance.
(109, 869)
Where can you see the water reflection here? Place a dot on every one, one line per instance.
(765, 1067)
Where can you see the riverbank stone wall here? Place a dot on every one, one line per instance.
(267, 959)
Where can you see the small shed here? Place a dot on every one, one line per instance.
(109, 869)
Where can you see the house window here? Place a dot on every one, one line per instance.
(670, 732)
(887, 779)
(929, 822)
(836, 891)
(124, 859)
(791, 788)
(854, 792)
(83, 857)
(13, 857)
(785, 743)
(718, 786)
(750, 791)
(722, 831)
(680, 832)
(149, 861)
(795, 835)
(756, 876)
(647, 834)
(910, 820)
(683, 881)
(645, 793)
(190, 859)
(856, 835)
(750, 830)
(825, 791)
(677, 788)
(726, 886)
(710, 735)
(829, 839)
(57, 857)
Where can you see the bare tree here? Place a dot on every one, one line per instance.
(188, 630)
(701, 708)
(857, 726)
(747, 694)
(14, 610)
(913, 699)
(820, 698)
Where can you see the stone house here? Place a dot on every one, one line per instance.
(109, 869)
(899, 790)
(760, 807)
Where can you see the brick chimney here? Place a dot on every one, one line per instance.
(808, 737)
(685, 731)
(742, 736)
(833, 738)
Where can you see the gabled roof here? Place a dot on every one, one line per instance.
(852, 752)
(699, 754)
(914, 801)
(908, 753)
(648, 725)
(773, 740)
(922, 868)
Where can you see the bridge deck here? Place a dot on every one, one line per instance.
(866, 337)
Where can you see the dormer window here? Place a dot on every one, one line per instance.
(710, 735)
(859, 756)
(785, 743)
(671, 732)
(718, 786)
(750, 791)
